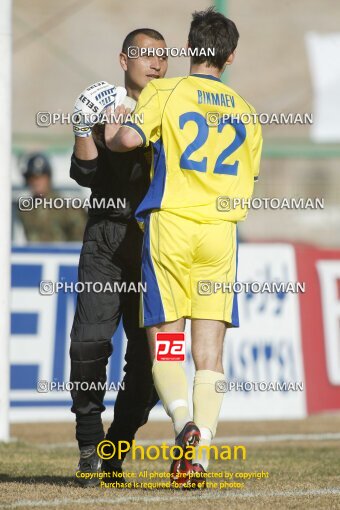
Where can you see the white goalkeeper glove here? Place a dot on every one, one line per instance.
(91, 103)
(129, 103)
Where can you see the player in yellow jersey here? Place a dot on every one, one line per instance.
(206, 151)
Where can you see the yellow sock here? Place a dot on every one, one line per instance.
(207, 406)
(172, 387)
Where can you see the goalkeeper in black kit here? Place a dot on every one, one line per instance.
(111, 253)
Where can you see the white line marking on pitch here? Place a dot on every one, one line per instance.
(118, 500)
(272, 438)
(281, 437)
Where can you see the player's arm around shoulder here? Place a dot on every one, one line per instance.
(146, 125)
(119, 138)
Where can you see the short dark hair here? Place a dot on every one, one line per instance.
(129, 39)
(210, 29)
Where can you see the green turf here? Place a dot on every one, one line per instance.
(30, 472)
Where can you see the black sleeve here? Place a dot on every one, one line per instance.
(83, 171)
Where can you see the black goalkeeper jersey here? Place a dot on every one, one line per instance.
(118, 181)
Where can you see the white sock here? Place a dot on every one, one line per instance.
(201, 454)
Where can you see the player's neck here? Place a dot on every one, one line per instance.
(204, 69)
(133, 92)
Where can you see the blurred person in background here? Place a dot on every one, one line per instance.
(47, 224)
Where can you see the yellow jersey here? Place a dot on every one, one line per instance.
(206, 145)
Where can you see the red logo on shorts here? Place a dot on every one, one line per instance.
(170, 346)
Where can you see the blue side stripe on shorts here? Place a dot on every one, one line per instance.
(234, 314)
(154, 196)
(153, 310)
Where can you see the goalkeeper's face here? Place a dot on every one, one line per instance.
(144, 61)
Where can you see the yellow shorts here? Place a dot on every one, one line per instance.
(188, 270)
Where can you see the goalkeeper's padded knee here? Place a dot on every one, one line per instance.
(89, 360)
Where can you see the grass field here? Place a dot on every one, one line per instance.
(302, 458)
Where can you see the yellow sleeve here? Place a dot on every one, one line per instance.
(147, 116)
(257, 147)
